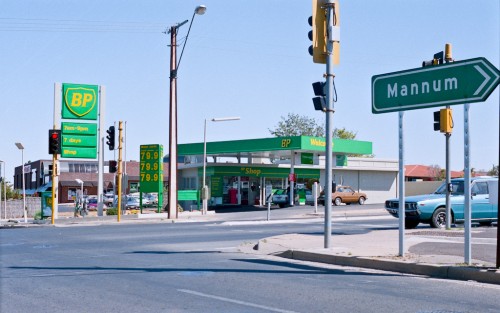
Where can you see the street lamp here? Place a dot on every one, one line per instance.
(81, 186)
(174, 66)
(21, 147)
(205, 187)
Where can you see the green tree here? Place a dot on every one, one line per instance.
(297, 125)
(493, 171)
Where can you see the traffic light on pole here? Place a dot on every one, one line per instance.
(113, 166)
(319, 101)
(54, 141)
(51, 167)
(111, 138)
(443, 120)
(319, 33)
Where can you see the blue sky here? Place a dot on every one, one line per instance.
(243, 58)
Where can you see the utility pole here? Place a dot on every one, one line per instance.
(120, 169)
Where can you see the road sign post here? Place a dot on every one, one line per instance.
(454, 83)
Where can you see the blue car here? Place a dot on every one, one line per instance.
(431, 208)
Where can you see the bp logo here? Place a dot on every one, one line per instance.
(80, 101)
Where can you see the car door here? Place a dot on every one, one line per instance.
(349, 195)
(481, 207)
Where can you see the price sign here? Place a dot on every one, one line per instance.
(151, 168)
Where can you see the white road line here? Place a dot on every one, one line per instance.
(235, 301)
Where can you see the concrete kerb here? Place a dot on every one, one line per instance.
(449, 272)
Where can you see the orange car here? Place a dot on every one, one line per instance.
(344, 194)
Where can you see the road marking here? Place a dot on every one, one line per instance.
(253, 305)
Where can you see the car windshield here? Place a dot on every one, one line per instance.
(458, 188)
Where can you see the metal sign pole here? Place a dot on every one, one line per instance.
(401, 187)
(467, 191)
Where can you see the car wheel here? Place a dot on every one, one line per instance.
(411, 224)
(439, 218)
(337, 201)
(485, 223)
(361, 200)
(281, 205)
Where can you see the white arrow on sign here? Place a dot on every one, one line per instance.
(484, 82)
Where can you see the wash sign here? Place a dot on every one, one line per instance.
(80, 102)
(459, 82)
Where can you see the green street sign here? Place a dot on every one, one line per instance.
(459, 82)
(80, 101)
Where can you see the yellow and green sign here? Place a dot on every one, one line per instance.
(80, 101)
(151, 168)
(79, 140)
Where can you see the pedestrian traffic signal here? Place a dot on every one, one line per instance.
(319, 101)
(111, 138)
(113, 166)
(50, 169)
(54, 141)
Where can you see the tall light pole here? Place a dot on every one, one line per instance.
(174, 66)
(81, 186)
(21, 147)
(205, 187)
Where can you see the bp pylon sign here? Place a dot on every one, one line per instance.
(459, 82)
(79, 103)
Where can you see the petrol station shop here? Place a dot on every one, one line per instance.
(238, 171)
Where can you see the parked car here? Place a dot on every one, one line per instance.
(129, 202)
(281, 198)
(344, 194)
(92, 204)
(431, 208)
(109, 198)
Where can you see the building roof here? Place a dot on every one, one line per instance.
(276, 146)
(424, 171)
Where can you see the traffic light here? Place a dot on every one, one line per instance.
(113, 166)
(319, 101)
(443, 121)
(111, 138)
(438, 59)
(319, 35)
(54, 141)
(51, 167)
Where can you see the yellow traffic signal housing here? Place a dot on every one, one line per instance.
(445, 121)
(319, 32)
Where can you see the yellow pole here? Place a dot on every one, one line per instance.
(54, 196)
(120, 168)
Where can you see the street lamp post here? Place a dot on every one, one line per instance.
(21, 147)
(81, 186)
(174, 66)
(205, 187)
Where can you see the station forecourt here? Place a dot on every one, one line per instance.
(238, 171)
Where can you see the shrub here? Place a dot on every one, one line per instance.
(112, 211)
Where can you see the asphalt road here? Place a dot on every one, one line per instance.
(197, 267)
